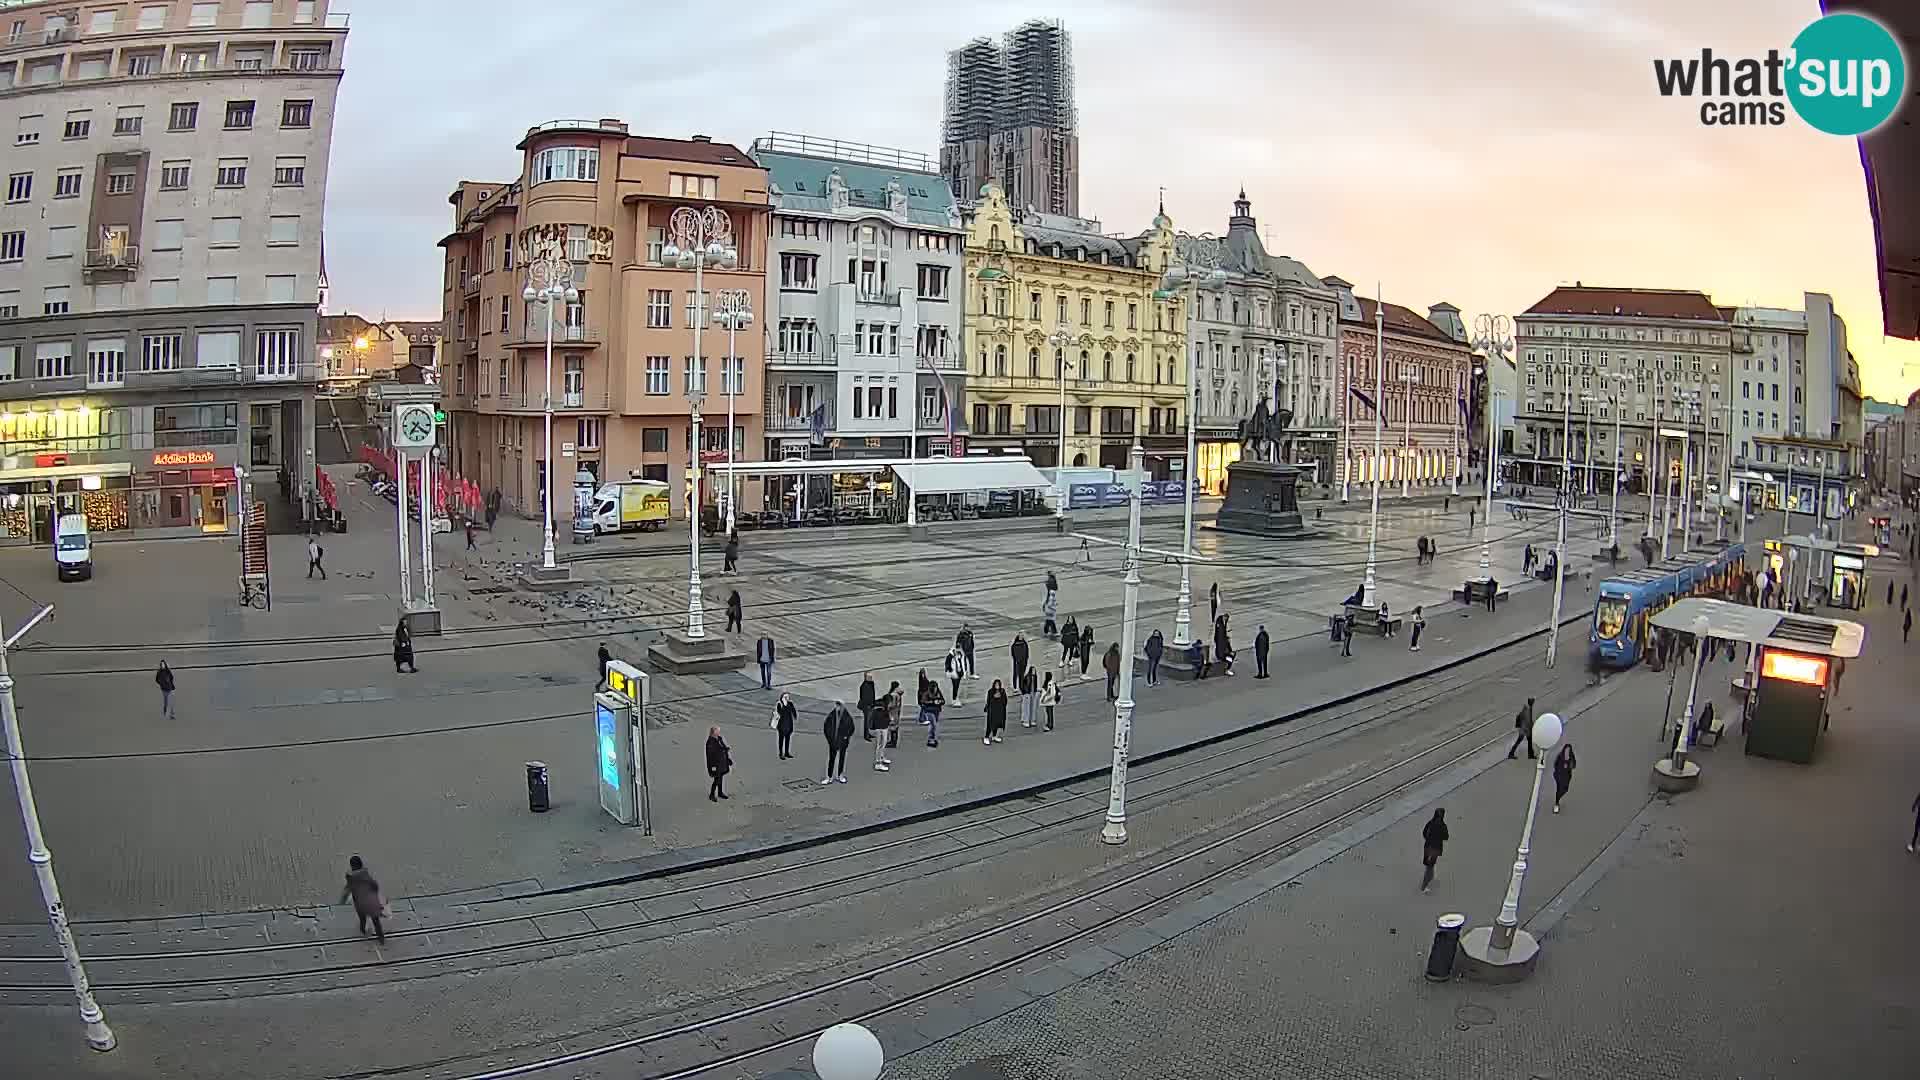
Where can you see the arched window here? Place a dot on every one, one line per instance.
(1033, 363)
(983, 360)
(1130, 367)
(1106, 366)
(1086, 365)
(1000, 360)
(993, 232)
(1059, 363)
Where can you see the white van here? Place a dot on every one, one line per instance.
(72, 548)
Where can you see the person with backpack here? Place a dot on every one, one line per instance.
(1433, 840)
(956, 667)
(163, 679)
(838, 730)
(1049, 697)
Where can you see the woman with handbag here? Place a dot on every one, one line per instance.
(719, 763)
(880, 722)
(1049, 697)
(896, 702)
(784, 715)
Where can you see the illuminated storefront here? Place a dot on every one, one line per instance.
(1214, 457)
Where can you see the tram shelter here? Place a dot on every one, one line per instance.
(879, 486)
(1794, 664)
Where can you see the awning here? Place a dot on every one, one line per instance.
(1765, 626)
(972, 474)
(58, 472)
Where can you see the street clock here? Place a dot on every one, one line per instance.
(413, 425)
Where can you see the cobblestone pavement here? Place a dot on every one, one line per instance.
(1761, 926)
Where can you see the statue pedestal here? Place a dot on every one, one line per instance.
(1262, 501)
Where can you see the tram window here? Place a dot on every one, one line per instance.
(1610, 616)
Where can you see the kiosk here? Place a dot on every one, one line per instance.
(620, 746)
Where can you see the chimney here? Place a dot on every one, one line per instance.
(701, 138)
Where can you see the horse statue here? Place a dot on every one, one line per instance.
(1265, 435)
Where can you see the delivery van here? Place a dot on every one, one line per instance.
(72, 548)
(630, 504)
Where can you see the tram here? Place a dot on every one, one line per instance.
(1626, 602)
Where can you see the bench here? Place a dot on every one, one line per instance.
(1474, 591)
(1367, 620)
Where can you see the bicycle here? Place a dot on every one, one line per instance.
(252, 595)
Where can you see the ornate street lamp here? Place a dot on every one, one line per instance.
(550, 282)
(696, 239)
(1198, 266)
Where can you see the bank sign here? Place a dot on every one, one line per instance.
(1844, 75)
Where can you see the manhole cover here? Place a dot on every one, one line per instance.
(797, 784)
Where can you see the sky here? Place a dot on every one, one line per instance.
(1476, 153)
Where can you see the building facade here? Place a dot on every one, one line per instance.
(1653, 360)
(1011, 120)
(1422, 421)
(1885, 445)
(625, 375)
(1266, 333)
(1769, 354)
(160, 259)
(865, 294)
(1058, 310)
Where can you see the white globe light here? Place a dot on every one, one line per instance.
(573, 294)
(670, 253)
(746, 319)
(1547, 730)
(848, 1052)
(1176, 274)
(528, 294)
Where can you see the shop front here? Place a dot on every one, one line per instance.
(1211, 468)
(162, 493)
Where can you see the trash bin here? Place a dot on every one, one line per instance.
(537, 788)
(1446, 947)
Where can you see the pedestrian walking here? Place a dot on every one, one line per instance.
(1906, 624)
(1019, 653)
(605, 659)
(785, 715)
(1419, 624)
(315, 553)
(1197, 658)
(470, 546)
(1049, 697)
(880, 721)
(1563, 766)
(1213, 602)
(1523, 723)
(1156, 648)
(1086, 649)
(1433, 840)
(1029, 696)
(932, 705)
(1889, 593)
(1346, 635)
(369, 903)
(1386, 624)
(1526, 559)
(735, 622)
(1446, 505)
(1470, 517)
(956, 667)
(1069, 641)
(996, 714)
(1111, 661)
(965, 640)
(163, 679)
(719, 764)
(763, 652)
(403, 648)
(1049, 607)
(1261, 642)
(732, 553)
(1903, 596)
(868, 694)
(1222, 643)
(893, 703)
(1493, 591)
(839, 734)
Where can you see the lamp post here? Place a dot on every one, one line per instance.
(1494, 336)
(1504, 946)
(1060, 339)
(696, 239)
(549, 281)
(1410, 378)
(1368, 599)
(1659, 452)
(733, 309)
(1619, 379)
(1459, 419)
(1115, 830)
(1674, 772)
(1198, 267)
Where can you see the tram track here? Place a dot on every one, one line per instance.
(1267, 746)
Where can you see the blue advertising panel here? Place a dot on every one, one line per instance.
(613, 754)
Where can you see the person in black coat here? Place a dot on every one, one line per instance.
(1156, 647)
(605, 659)
(839, 734)
(368, 902)
(1069, 640)
(1111, 663)
(1222, 644)
(1019, 652)
(964, 639)
(1523, 724)
(1563, 765)
(733, 552)
(1086, 649)
(1433, 840)
(403, 649)
(1261, 643)
(996, 714)
(785, 714)
(163, 679)
(763, 653)
(719, 763)
(734, 619)
(868, 694)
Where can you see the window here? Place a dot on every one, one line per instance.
(128, 120)
(60, 241)
(1086, 311)
(933, 285)
(119, 181)
(160, 352)
(56, 300)
(799, 272)
(566, 163)
(224, 232)
(800, 228)
(214, 349)
(92, 67)
(659, 310)
(153, 17)
(9, 362)
(52, 360)
(1109, 314)
(222, 290)
(183, 116)
(193, 59)
(303, 12)
(733, 380)
(657, 383)
(174, 175)
(292, 172)
(693, 187)
(107, 362)
(696, 377)
(239, 115)
(231, 173)
(1060, 309)
(19, 187)
(282, 288)
(257, 14)
(9, 303)
(27, 131)
(306, 59)
(66, 184)
(283, 229)
(1133, 316)
(13, 246)
(204, 15)
(859, 402)
(296, 114)
(276, 354)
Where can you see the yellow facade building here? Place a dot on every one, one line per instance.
(1065, 322)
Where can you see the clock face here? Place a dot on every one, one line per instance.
(416, 426)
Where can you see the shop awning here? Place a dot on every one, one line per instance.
(972, 474)
(57, 472)
(1766, 626)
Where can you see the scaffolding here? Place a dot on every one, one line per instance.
(1038, 60)
(976, 86)
(1017, 93)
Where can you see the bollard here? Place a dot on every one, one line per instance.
(537, 787)
(1446, 947)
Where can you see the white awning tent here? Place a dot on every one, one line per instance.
(956, 475)
(1766, 626)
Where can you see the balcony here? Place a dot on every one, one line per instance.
(877, 299)
(536, 337)
(470, 284)
(565, 401)
(800, 359)
(942, 363)
(781, 422)
(119, 258)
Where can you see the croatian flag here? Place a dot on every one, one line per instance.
(946, 396)
(1364, 399)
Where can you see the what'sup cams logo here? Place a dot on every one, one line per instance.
(1844, 75)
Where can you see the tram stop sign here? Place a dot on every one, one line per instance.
(620, 745)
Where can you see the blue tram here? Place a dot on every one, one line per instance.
(1626, 602)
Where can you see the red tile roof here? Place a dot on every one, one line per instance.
(704, 152)
(1404, 321)
(1635, 303)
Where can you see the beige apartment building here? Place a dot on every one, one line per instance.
(625, 371)
(160, 256)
